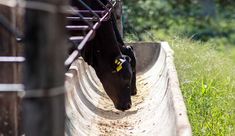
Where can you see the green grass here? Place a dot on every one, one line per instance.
(207, 81)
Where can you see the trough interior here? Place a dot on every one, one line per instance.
(146, 54)
(89, 111)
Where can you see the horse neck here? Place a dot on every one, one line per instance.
(106, 37)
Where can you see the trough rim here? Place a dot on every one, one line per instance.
(183, 125)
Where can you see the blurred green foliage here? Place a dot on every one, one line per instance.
(182, 17)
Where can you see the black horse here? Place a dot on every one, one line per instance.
(114, 63)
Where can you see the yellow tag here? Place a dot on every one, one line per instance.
(119, 63)
(119, 68)
(116, 61)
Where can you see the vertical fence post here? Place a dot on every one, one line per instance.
(9, 102)
(45, 40)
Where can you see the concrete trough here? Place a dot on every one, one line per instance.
(157, 110)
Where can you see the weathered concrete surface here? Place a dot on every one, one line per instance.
(158, 109)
